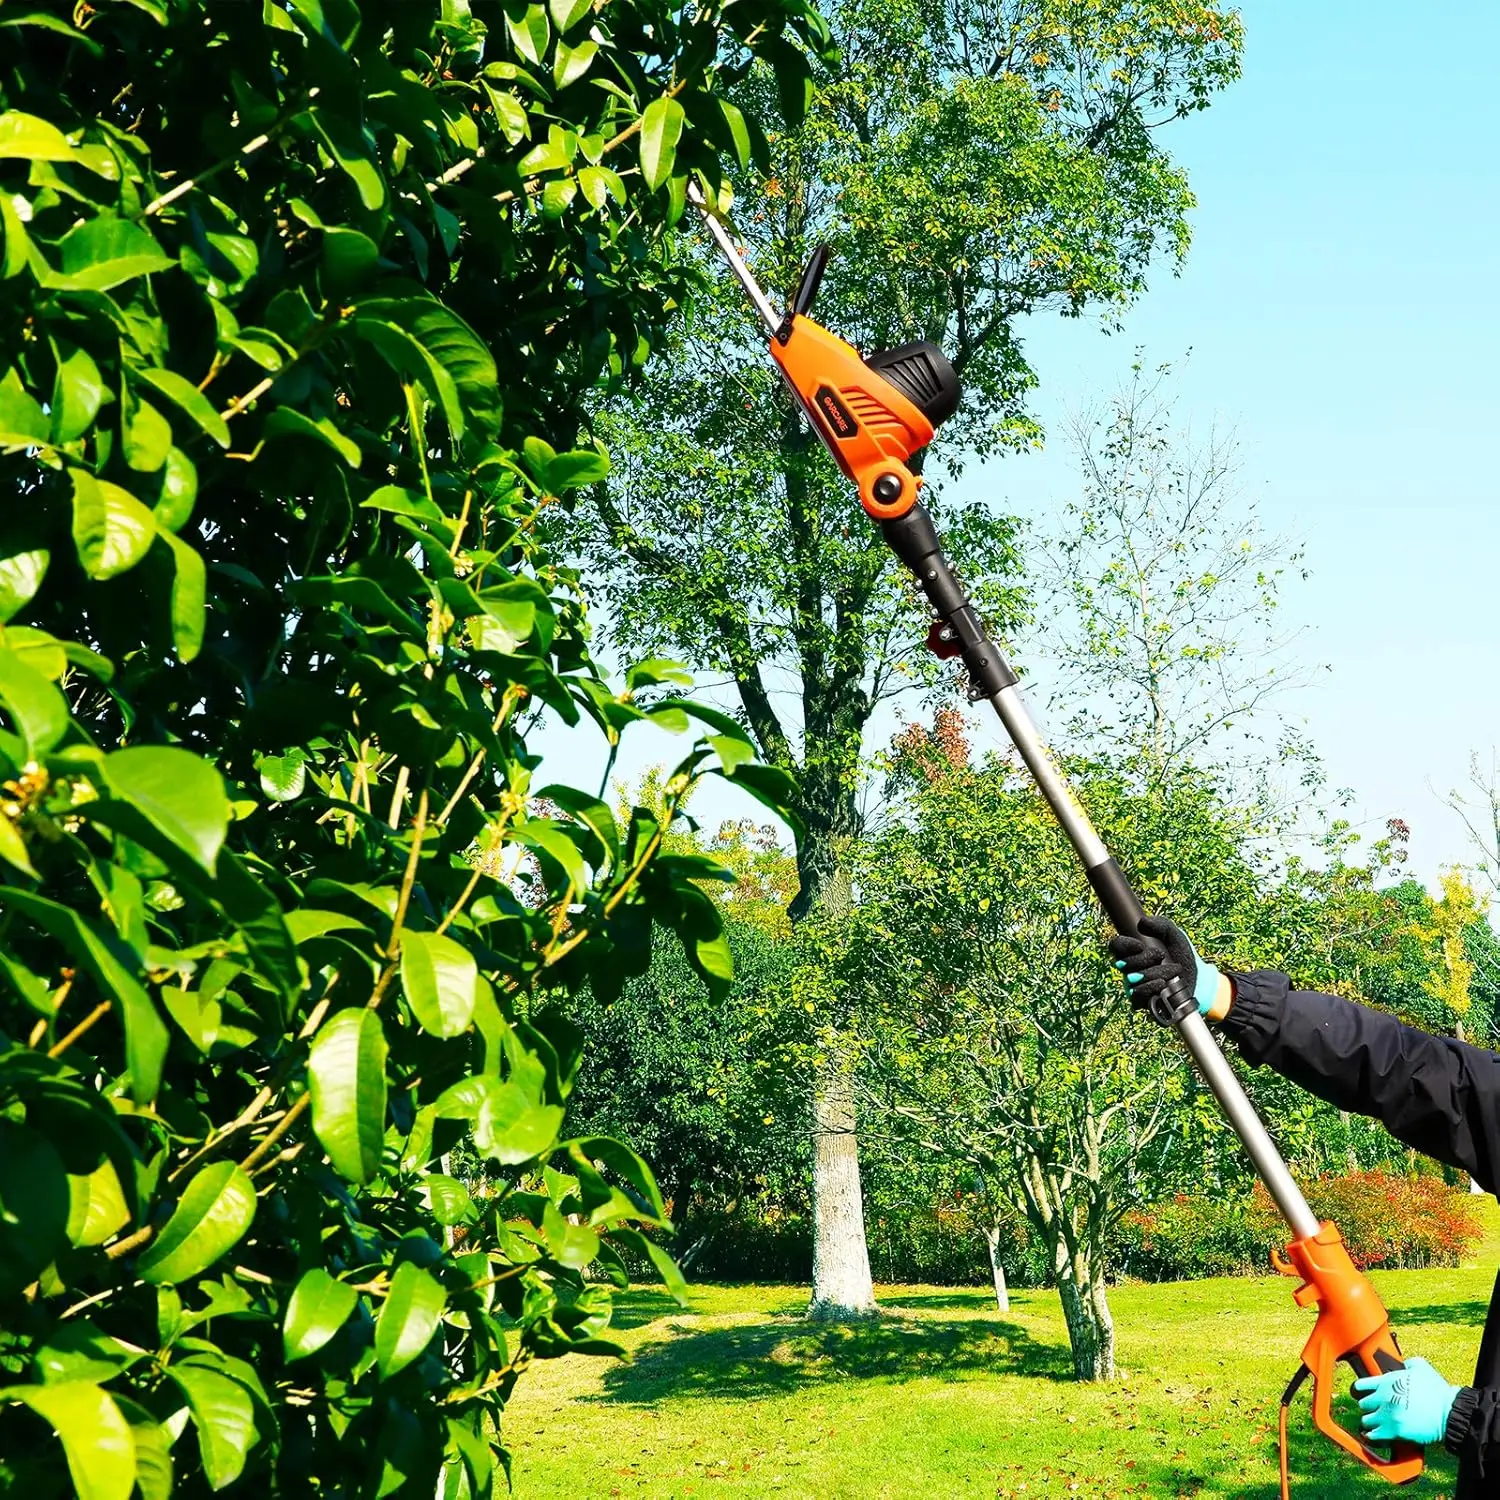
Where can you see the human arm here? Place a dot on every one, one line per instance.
(1437, 1095)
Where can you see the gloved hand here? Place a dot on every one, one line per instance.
(1158, 954)
(1411, 1404)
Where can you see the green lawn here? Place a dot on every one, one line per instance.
(944, 1397)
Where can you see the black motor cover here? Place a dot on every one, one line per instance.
(922, 374)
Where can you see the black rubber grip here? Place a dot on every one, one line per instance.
(1123, 908)
(914, 539)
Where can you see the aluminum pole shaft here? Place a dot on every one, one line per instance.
(1196, 1037)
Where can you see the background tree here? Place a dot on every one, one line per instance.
(1000, 1033)
(276, 626)
(1159, 598)
(968, 164)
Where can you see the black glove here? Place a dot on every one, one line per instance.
(1152, 958)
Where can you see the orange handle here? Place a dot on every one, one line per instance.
(1352, 1325)
(865, 422)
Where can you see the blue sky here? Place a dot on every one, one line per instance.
(1342, 303)
(1341, 300)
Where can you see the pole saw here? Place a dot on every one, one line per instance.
(873, 413)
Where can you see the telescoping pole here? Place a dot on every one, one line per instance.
(914, 539)
(874, 413)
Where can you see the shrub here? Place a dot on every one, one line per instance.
(1187, 1237)
(1393, 1221)
(1389, 1221)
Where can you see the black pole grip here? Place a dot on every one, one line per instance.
(914, 539)
(1123, 908)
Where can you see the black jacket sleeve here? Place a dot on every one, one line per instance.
(1473, 1431)
(1438, 1095)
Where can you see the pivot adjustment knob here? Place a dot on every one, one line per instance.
(887, 488)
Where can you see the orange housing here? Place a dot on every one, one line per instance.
(1353, 1326)
(867, 424)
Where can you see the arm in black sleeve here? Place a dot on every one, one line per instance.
(1473, 1433)
(1438, 1095)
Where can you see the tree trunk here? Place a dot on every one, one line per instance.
(842, 1287)
(1002, 1292)
(1091, 1325)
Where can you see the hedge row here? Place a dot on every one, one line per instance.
(1389, 1221)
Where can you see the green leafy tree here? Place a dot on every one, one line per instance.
(997, 1031)
(969, 165)
(275, 624)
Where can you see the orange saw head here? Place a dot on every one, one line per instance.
(872, 413)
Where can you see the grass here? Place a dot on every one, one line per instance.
(942, 1396)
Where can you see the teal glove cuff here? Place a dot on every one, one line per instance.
(1206, 989)
(1409, 1405)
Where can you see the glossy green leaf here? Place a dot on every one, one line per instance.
(224, 1416)
(402, 502)
(22, 421)
(571, 63)
(346, 1073)
(145, 435)
(572, 1245)
(179, 489)
(556, 196)
(97, 1207)
(77, 1350)
(739, 131)
(35, 707)
(31, 138)
(566, 14)
(573, 470)
(282, 777)
(529, 31)
(153, 1451)
(103, 252)
(319, 1306)
(179, 793)
(78, 391)
(349, 258)
(96, 1438)
(439, 978)
(16, 248)
(287, 422)
(510, 1123)
(661, 129)
(184, 395)
(189, 597)
(13, 848)
(213, 1215)
(112, 530)
(408, 1318)
(468, 376)
(21, 576)
(448, 1199)
(352, 150)
(667, 1268)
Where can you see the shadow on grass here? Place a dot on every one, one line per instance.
(1464, 1314)
(639, 1306)
(976, 1299)
(789, 1355)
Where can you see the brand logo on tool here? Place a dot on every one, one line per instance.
(833, 411)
